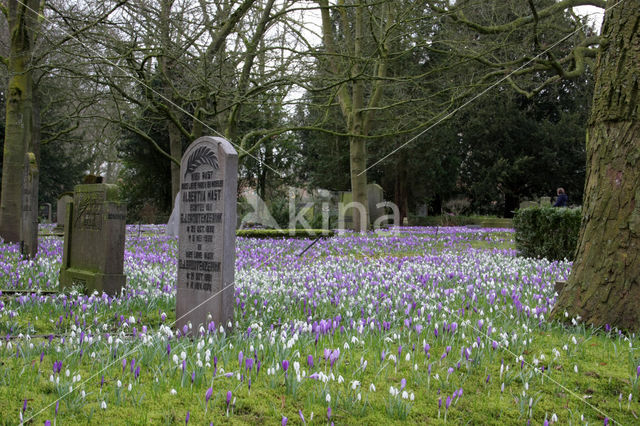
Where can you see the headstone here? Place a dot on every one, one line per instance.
(94, 235)
(174, 220)
(45, 212)
(345, 199)
(206, 247)
(527, 204)
(87, 179)
(61, 210)
(29, 231)
(260, 216)
(375, 196)
(545, 201)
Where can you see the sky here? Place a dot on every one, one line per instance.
(595, 14)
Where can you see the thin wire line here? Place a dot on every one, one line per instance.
(134, 349)
(452, 113)
(169, 101)
(506, 349)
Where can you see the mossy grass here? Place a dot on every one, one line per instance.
(536, 371)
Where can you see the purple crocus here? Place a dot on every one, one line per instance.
(228, 398)
(285, 365)
(207, 395)
(186, 420)
(403, 383)
(284, 421)
(240, 357)
(302, 417)
(448, 403)
(310, 362)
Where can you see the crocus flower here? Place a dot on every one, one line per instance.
(285, 365)
(228, 398)
(284, 421)
(186, 420)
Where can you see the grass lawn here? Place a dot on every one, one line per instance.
(428, 326)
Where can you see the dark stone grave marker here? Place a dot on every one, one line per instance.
(94, 235)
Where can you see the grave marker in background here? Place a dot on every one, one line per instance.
(61, 210)
(29, 231)
(94, 235)
(375, 196)
(45, 212)
(206, 247)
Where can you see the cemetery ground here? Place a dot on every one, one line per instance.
(429, 325)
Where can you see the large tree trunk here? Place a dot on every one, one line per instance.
(18, 130)
(604, 285)
(358, 160)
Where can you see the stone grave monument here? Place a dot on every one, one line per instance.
(61, 211)
(527, 204)
(29, 231)
(206, 242)
(545, 201)
(94, 234)
(375, 196)
(45, 212)
(174, 220)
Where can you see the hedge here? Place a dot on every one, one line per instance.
(547, 232)
(446, 220)
(283, 233)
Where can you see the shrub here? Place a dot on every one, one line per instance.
(547, 232)
(449, 220)
(283, 233)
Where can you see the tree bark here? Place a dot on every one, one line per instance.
(358, 162)
(19, 114)
(604, 285)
